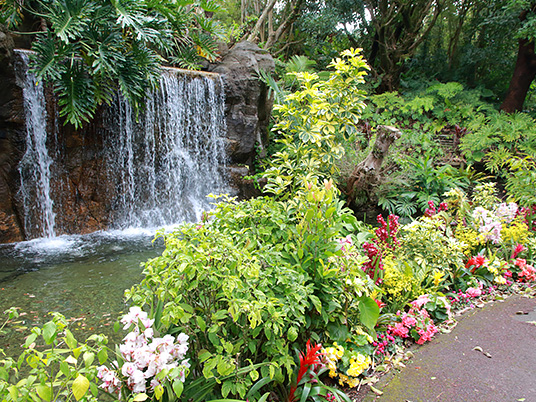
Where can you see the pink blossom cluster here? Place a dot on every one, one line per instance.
(145, 356)
(528, 273)
(382, 344)
(488, 225)
(463, 298)
(506, 212)
(431, 210)
(416, 320)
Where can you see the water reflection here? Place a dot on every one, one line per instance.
(82, 277)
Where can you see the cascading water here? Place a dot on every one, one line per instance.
(161, 163)
(167, 162)
(34, 167)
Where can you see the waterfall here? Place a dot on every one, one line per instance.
(160, 163)
(171, 157)
(35, 165)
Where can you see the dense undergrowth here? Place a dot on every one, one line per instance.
(268, 298)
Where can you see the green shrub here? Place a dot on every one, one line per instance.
(256, 280)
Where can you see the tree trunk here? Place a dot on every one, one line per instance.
(524, 74)
(365, 174)
(256, 29)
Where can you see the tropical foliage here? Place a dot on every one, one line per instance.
(89, 49)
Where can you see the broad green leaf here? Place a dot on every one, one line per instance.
(141, 397)
(69, 339)
(369, 312)
(49, 332)
(178, 387)
(31, 339)
(102, 355)
(80, 387)
(44, 391)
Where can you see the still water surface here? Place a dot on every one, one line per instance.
(82, 277)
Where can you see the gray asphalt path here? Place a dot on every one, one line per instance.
(449, 369)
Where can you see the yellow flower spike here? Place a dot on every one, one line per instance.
(438, 277)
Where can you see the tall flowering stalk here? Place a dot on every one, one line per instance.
(308, 360)
(385, 240)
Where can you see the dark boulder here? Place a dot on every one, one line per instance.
(247, 104)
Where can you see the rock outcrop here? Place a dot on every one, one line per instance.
(83, 191)
(247, 104)
(11, 140)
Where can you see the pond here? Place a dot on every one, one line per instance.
(81, 277)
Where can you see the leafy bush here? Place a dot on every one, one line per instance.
(312, 122)
(253, 281)
(498, 137)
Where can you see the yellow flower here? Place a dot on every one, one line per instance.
(358, 365)
(438, 277)
(500, 280)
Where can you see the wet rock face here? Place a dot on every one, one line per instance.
(247, 105)
(11, 140)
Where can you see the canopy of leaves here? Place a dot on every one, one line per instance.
(88, 49)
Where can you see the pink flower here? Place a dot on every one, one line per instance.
(519, 249)
(400, 330)
(420, 301)
(473, 292)
(408, 320)
(528, 273)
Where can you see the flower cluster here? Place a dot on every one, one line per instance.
(357, 363)
(526, 272)
(506, 212)
(431, 210)
(476, 262)
(488, 225)
(415, 323)
(385, 240)
(145, 356)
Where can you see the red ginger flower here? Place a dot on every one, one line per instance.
(307, 360)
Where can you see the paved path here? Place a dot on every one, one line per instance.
(448, 369)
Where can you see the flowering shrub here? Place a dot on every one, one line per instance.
(148, 363)
(416, 323)
(523, 271)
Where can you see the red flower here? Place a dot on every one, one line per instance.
(519, 248)
(471, 261)
(307, 360)
(379, 303)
